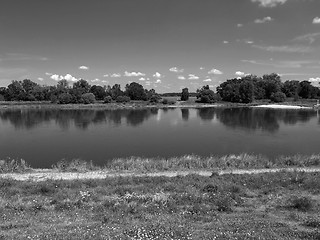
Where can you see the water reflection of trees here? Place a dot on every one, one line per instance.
(185, 114)
(81, 119)
(253, 118)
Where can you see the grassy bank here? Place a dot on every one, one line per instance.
(173, 102)
(265, 206)
(183, 163)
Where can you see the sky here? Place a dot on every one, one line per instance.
(162, 44)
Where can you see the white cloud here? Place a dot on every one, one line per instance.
(133, 74)
(48, 74)
(40, 78)
(215, 71)
(175, 69)
(202, 68)
(269, 3)
(314, 79)
(106, 75)
(142, 79)
(67, 77)
(208, 80)
(95, 80)
(285, 48)
(181, 77)
(158, 81)
(249, 41)
(115, 75)
(316, 20)
(239, 25)
(147, 83)
(193, 77)
(105, 81)
(239, 73)
(157, 75)
(225, 42)
(263, 20)
(84, 68)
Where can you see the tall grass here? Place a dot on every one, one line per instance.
(182, 163)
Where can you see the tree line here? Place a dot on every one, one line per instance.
(269, 86)
(238, 90)
(80, 92)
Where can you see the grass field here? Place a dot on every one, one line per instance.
(282, 205)
(263, 206)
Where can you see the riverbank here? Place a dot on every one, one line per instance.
(303, 104)
(144, 166)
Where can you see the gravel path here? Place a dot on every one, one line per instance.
(48, 174)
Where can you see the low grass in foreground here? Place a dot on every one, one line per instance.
(265, 206)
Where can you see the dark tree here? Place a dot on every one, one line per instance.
(135, 91)
(98, 91)
(206, 95)
(185, 94)
(115, 91)
(291, 88)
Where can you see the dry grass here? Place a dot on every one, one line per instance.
(265, 206)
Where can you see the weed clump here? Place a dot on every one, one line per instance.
(300, 203)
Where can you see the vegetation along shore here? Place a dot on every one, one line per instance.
(247, 90)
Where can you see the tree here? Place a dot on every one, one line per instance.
(88, 98)
(246, 91)
(272, 84)
(291, 88)
(185, 94)
(115, 91)
(98, 91)
(278, 97)
(307, 90)
(135, 91)
(79, 88)
(206, 95)
(15, 91)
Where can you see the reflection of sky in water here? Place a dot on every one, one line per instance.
(43, 137)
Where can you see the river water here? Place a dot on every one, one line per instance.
(43, 137)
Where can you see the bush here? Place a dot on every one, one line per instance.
(155, 98)
(1, 97)
(122, 99)
(65, 98)
(88, 98)
(165, 101)
(301, 203)
(107, 99)
(278, 97)
(168, 102)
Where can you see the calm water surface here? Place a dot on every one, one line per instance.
(43, 137)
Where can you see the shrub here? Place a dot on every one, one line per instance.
(65, 98)
(278, 97)
(300, 203)
(165, 101)
(155, 98)
(122, 99)
(1, 97)
(108, 99)
(88, 98)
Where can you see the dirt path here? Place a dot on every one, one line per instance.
(48, 174)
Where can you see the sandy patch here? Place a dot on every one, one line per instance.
(279, 106)
(43, 175)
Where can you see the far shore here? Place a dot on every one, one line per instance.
(142, 104)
